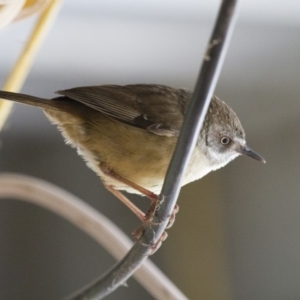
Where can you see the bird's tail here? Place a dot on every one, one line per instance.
(27, 99)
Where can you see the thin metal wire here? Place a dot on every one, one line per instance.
(194, 118)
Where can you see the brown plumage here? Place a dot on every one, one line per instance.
(127, 134)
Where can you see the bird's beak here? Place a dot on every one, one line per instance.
(245, 150)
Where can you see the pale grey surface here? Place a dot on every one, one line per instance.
(260, 80)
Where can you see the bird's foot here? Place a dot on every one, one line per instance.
(148, 222)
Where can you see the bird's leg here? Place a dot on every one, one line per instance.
(105, 169)
(153, 197)
(145, 218)
(127, 202)
(137, 234)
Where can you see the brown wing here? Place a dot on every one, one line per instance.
(155, 108)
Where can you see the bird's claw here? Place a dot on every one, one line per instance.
(138, 233)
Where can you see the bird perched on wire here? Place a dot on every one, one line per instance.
(127, 134)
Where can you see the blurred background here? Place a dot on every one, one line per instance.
(237, 233)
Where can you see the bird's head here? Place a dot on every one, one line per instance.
(224, 136)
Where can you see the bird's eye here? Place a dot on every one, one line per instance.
(225, 140)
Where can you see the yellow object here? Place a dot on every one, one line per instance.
(32, 6)
(19, 73)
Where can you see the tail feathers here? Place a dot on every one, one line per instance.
(27, 99)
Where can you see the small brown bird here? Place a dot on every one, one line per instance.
(127, 134)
